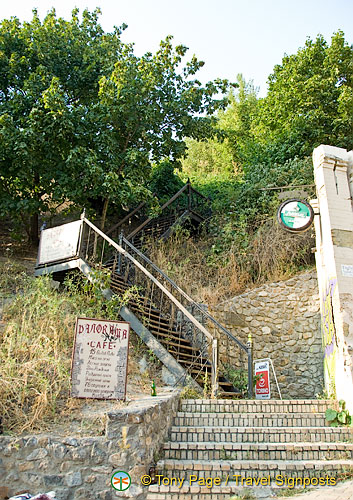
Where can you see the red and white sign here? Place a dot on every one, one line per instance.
(99, 361)
(262, 388)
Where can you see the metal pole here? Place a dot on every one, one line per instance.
(119, 256)
(189, 194)
(250, 372)
(274, 373)
(214, 368)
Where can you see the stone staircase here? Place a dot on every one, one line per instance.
(250, 439)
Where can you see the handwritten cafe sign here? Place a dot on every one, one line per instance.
(99, 361)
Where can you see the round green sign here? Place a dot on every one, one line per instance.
(295, 215)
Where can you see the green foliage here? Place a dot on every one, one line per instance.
(164, 180)
(239, 378)
(223, 155)
(82, 117)
(340, 417)
(310, 97)
(207, 159)
(206, 386)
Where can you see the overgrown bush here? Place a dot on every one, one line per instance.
(213, 269)
(36, 347)
(35, 351)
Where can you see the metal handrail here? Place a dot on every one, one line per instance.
(187, 187)
(122, 252)
(166, 204)
(127, 217)
(184, 294)
(246, 348)
(126, 254)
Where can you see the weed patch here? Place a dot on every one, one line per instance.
(36, 348)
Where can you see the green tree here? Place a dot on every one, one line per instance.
(48, 71)
(237, 121)
(310, 98)
(207, 159)
(165, 181)
(224, 154)
(82, 117)
(149, 105)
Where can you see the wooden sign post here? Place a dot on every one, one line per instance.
(100, 357)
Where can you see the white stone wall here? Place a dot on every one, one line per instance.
(284, 321)
(334, 260)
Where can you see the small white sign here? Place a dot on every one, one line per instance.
(59, 243)
(347, 270)
(262, 387)
(99, 361)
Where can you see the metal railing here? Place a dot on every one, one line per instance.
(96, 248)
(186, 201)
(216, 330)
(159, 293)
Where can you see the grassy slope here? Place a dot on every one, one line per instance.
(36, 345)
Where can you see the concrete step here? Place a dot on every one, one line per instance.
(218, 419)
(236, 440)
(252, 468)
(254, 451)
(261, 434)
(256, 406)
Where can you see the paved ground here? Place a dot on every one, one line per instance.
(342, 491)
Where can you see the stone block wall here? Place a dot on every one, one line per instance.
(81, 467)
(284, 321)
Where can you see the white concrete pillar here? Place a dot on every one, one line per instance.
(334, 262)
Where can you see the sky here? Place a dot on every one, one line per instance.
(231, 36)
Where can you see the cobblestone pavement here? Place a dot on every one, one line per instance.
(342, 491)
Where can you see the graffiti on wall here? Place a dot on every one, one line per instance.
(329, 336)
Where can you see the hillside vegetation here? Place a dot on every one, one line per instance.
(36, 345)
(262, 143)
(85, 123)
(116, 128)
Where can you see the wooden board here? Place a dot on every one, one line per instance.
(59, 243)
(99, 360)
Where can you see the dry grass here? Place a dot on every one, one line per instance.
(276, 254)
(272, 255)
(186, 262)
(35, 353)
(13, 276)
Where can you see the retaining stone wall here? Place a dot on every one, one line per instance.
(81, 467)
(284, 321)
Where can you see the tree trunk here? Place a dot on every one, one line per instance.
(34, 227)
(104, 213)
